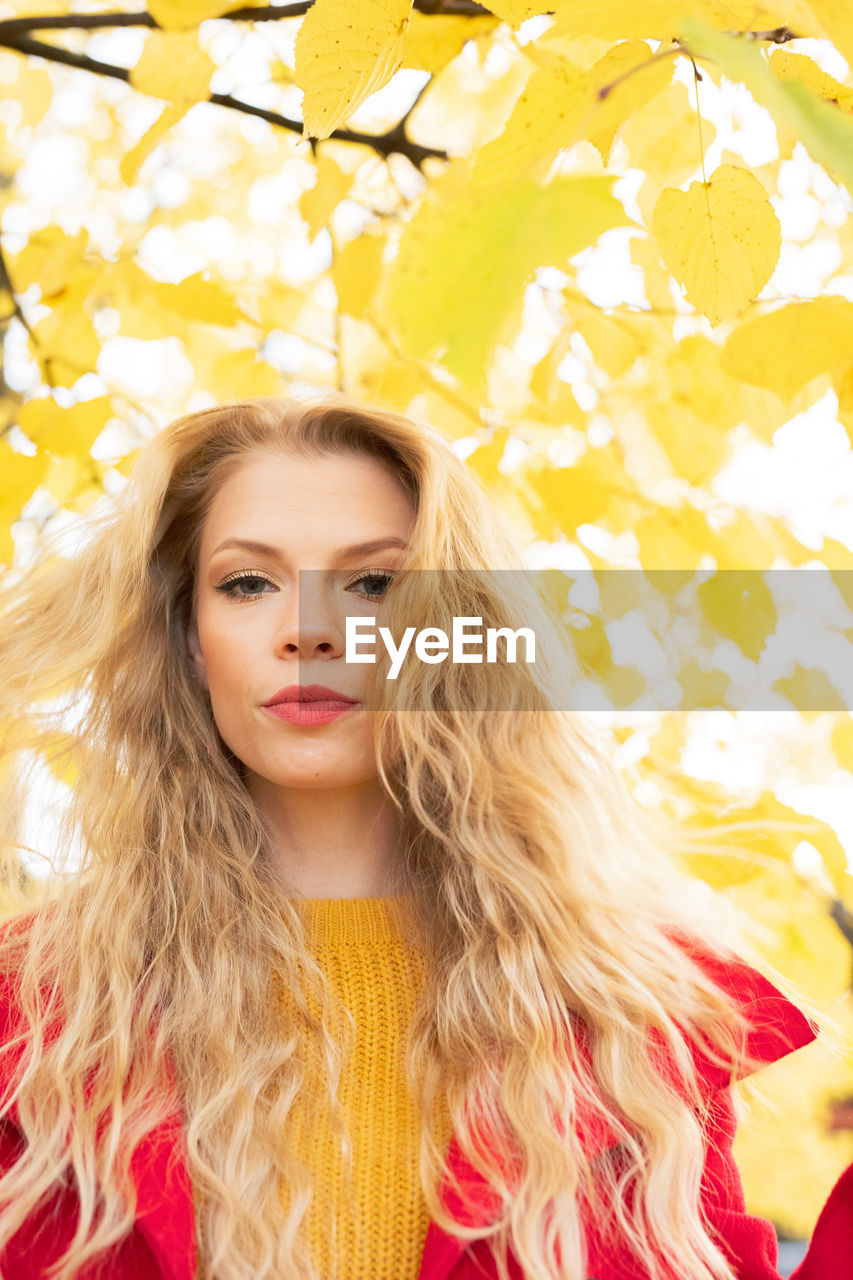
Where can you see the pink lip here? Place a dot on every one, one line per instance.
(308, 693)
(310, 713)
(310, 704)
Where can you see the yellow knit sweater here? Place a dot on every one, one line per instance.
(375, 1229)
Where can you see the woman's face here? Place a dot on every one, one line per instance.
(260, 627)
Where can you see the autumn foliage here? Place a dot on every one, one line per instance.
(201, 202)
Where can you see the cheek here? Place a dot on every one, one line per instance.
(228, 649)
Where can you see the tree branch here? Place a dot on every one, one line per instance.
(394, 140)
(779, 35)
(248, 13)
(6, 283)
(843, 917)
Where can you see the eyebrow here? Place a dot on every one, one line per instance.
(357, 548)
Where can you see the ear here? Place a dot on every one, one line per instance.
(196, 654)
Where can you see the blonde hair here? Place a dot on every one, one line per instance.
(551, 914)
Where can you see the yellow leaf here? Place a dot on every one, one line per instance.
(834, 19)
(66, 477)
(517, 11)
(435, 39)
(701, 688)
(124, 286)
(463, 259)
(124, 466)
(662, 137)
(554, 399)
(22, 474)
(546, 118)
(142, 301)
(632, 77)
(789, 1168)
(387, 381)
(748, 540)
(741, 608)
(279, 306)
(34, 91)
(658, 19)
(356, 270)
(345, 50)
(7, 546)
(173, 67)
(841, 741)
(318, 202)
(621, 19)
(835, 554)
(695, 449)
(657, 282)
(133, 160)
(809, 689)
(613, 340)
(173, 15)
(691, 377)
(49, 258)
(66, 339)
(62, 755)
(578, 494)
(70, 431)
(691, 403)
(796, 66)
(672, 538)
(788, 347)
(281, 72)
(844, 389)
(845, 587)
(230, 373)
(242, 373)
(748, 15)
(720, 240)
(26, 8)
(826, 132)
(194, 298)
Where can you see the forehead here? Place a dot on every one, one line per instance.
(284, 494)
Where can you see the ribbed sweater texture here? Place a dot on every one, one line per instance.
(374, 1227)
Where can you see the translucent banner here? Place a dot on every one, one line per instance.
(611, 639)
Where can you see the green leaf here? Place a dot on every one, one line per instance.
(825, 131)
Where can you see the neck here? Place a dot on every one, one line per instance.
(332, 842)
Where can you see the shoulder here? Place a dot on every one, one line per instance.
(16, 925)
(11, 1012)
(775, 1026)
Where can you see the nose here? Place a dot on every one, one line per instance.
(312, 619)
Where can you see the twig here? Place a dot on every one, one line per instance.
(394, 140)
(660, 53)
(248, 13)
(779, 35)
(6, 283)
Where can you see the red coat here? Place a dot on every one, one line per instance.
(830, 1252)
(162, 1244)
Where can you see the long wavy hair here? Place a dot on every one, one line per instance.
(549, 905)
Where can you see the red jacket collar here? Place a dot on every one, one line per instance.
(165, 1206)
(776, 1028)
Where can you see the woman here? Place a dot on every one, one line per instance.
(402, 987)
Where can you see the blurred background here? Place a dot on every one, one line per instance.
(605, 250)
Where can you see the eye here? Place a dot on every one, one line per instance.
(227, 585)
(374, 576)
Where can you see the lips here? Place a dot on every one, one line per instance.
(308, 693)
